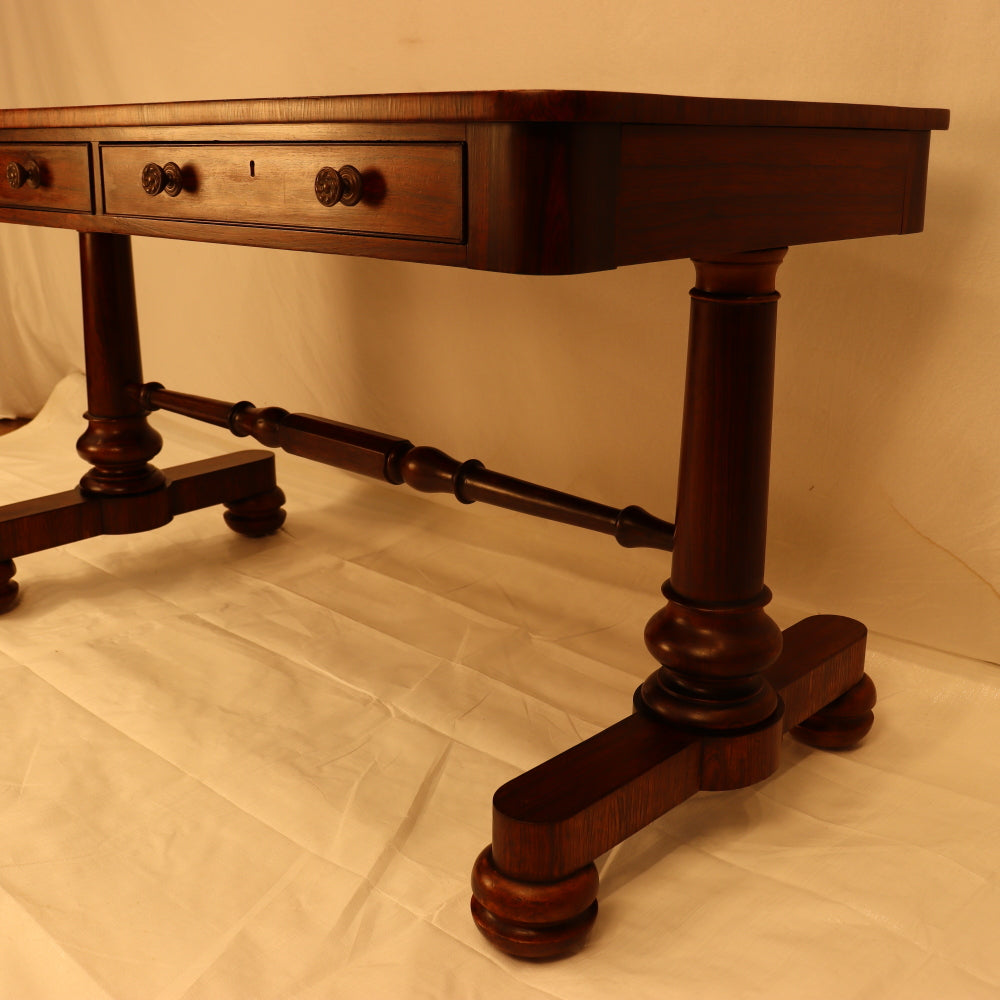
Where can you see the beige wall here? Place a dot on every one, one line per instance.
(886, 489)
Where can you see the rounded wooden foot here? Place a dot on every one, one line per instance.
(844, 722)
(8, 588)
(535, 920)
(258, 515)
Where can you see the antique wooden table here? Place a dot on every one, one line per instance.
(532, 182)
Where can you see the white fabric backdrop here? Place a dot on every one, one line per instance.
(261, 770)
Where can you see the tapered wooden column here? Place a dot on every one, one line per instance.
(122, 492)
(118, 442)
(713, 639)
(712, 716)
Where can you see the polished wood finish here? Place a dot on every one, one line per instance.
(62, 518)
(534, 920)
(713, 639)
(8, 585)
(532, 182)
(729, 684)
(395, 460)
(550, 823)
(488, 106)
(61, 182)
(804, 186)
(542, 197)
(844, 722)
(118, 442)
(123, 493)
(411, 189)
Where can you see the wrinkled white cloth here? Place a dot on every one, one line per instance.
(235, 768)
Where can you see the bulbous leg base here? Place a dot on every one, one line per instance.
(843, 723)
(258, 515)
(8, 588)
(533, 920)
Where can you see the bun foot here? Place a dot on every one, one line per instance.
(8, 588)
(844, 722)
(533, 920)
(258, 515)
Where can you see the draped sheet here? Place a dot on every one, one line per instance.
(235, 768)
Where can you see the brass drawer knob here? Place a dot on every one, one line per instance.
(19, 174)
(343, 186)
(167, 179)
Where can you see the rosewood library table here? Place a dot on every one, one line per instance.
(531, 182)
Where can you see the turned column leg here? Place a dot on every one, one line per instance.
(118, 442)
(122, 492)
(713, 638)
(709, 717)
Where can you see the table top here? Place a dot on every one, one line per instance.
(526, 181)
(488, 106)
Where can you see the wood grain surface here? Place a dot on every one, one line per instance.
(492, 105)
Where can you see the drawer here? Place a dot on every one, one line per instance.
(47, 176)
(408, 189)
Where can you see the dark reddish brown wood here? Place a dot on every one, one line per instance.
(63, 177)
(492, 105)
(315, 241)
(395, 460)
(535, 920)
(258, 515)
(728, 686)
(542, 197)
(411, 190)
(45, 522)
(369, 453)
(685, 192)
(836, 643)
(227, 479)
(713, 639)
(843, 723)
(243, 481)
(550, 823)
(118, 442)
(432, 471)
(557, 817)
(540, 182)
(35, 525)
(8, 586)
(552, 181)
(123, 493)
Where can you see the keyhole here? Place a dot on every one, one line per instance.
(252, 174)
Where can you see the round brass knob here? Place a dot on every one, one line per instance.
(343, 185)
(19, 174)
(167, 179)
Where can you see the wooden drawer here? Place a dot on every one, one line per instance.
(410, 189)
(61, 182)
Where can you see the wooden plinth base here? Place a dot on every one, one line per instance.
(244, 482)
(535, 888)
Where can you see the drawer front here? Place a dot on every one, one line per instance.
(413, 190)
(54, 177)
